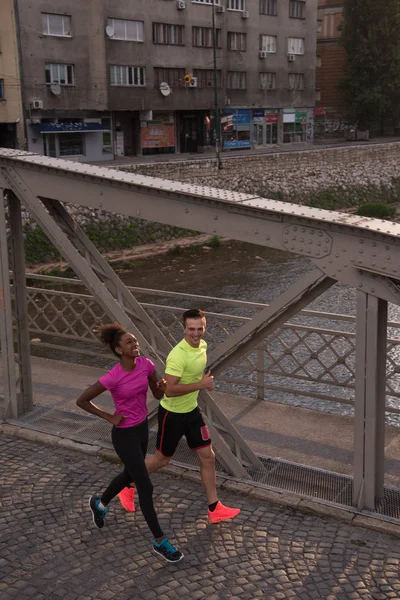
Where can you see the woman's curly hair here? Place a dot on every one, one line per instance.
(111, 335)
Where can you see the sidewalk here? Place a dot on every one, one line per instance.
(155, 158)
(50, 549)
(314, 438)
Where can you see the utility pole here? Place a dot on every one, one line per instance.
(217, 124)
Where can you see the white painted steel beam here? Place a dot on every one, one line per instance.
(82, 261)
(6, 326)
(341, 245)
(291, 302)
(17, 256)
(369, 435)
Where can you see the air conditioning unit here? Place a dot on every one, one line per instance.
(291, 57)
(245, 14)
(193, 82)
(180, 4)
(263, 54)
(37, 104)
(219, 8)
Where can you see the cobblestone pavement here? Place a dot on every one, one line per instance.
(50, 549)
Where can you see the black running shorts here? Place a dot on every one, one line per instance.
(173, 426)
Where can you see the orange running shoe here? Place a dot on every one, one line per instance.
(222, 513)
(127, 499)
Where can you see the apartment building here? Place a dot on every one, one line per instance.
(122, 77)
(11, 113)
(331, 60)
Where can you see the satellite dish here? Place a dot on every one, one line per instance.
(55, 89)
(164, 88)
(110, 31)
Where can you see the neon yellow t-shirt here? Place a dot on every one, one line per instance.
(188, 363)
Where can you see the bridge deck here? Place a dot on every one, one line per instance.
(317, 439)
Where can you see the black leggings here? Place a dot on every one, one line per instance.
(130, 444)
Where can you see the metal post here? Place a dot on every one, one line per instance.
(369, 434)
(25, 402)
(217, 125)
(6, 330)
(260, 374)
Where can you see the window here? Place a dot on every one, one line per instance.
(168, 34)
(107, 140)
(236, 80)
(269, 7)
(121, 75)
(1, 89)
(236, 4)
(206, 1)
(268, 43)
(295, 45)
(236, 41)
(297, 9)
(205, 78)
(71, 144)
(174, 77)
(296, 81)
(268, 81)
(129, 31)
(202, 37)
(59, 25)
(62, 74)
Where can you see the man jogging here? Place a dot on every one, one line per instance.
(179, 414)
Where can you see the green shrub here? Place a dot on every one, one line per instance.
(378, 210)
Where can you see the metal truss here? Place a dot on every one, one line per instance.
(356, 251)
(118, 302)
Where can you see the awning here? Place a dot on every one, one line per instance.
(69, 127)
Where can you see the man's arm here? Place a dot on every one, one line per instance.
(175, 389)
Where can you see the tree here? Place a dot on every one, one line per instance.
(371, 38)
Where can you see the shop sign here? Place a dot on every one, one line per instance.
(159, 133)
(240, 116)
(319, 110)
(272, 118)
(301, 118)
(237, 144)
(258, 116)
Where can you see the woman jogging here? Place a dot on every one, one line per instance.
(128, 383)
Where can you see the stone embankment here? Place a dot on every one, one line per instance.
(356, 173)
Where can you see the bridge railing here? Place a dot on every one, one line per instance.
(310, 361)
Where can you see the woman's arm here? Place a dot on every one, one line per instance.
(157, 387)
(85, 401)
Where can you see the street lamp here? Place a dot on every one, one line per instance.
(217, 125)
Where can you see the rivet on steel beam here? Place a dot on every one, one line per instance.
(361, 241)
(343, 249)
(360, 285)
(372, 290)
(267, 237)
(216, 217)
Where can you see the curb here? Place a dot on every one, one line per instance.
(283, 499)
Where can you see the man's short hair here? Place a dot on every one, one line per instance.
(193, 313)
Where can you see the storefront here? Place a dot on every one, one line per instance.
(235, 129)
(86, 140)
(265, 127)
(158, 134)
(294, 126)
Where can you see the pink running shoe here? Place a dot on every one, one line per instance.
(127, 499)
(222, 513)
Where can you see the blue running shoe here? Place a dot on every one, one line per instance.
(99, 514)
(167, 550)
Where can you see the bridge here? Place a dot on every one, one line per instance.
(360, 252)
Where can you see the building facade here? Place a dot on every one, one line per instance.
(11, 113)
(106, 78)
(331, 60)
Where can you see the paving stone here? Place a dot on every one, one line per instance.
(53, 551)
